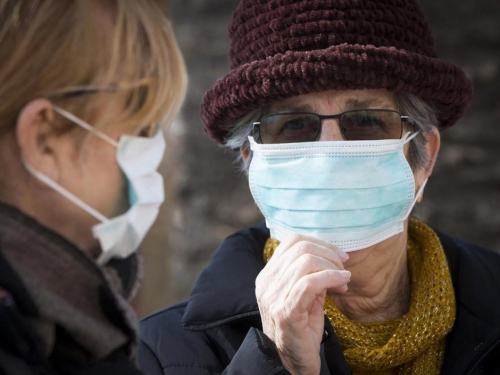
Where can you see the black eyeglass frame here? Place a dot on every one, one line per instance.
(256, 125)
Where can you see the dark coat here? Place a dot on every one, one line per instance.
(21, 351)
(218, 329)
(21, 348)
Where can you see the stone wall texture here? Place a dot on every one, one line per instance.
(210, 199)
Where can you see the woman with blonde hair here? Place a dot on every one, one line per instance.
(86, 87)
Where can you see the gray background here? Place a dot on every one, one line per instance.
(210, 199)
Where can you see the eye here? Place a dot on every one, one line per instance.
(148, 131)
(369, 121)
(289, 128)
(364, 120)
(371, 125)
(296, 124)
(144, 132)
(300, 129)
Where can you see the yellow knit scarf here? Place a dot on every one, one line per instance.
(415, 343)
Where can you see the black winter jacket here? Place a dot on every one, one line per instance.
(218, 329)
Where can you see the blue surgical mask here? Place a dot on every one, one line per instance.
(353, 194)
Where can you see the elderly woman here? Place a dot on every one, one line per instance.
(337, 108)
(84, 86)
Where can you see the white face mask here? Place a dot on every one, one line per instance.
(353, 194)
(139, 159)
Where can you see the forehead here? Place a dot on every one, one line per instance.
(337, 101)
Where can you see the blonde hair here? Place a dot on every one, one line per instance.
(68, 50)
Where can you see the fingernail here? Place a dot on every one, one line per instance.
(343, 255)
(345, 275)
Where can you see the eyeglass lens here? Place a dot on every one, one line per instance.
(362, 125)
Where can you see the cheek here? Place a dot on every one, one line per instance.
(102, 179)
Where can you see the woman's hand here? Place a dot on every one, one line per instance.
(291, 292)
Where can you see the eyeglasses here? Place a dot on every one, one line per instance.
(147, 131)
(358, 125)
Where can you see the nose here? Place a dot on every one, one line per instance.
(330, 131)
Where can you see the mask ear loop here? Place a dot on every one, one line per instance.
(419, 193)
(85, 125)
(97, 215)
(46, 180)
(407, 137)
(253, 143)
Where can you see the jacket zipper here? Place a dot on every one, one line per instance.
(481, 356)
(202, 327)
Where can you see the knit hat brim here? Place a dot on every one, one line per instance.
(342, 67)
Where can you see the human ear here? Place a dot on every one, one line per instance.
(245, 153)
(37, 138)
(432, 148)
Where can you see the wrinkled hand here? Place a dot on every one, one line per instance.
(291, 292)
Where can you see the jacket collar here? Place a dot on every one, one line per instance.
(225, 292)
(476, 282)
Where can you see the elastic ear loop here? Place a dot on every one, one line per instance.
(45, 179)
(407, 138)
(65, 193)
(85, 125)
(419, 193)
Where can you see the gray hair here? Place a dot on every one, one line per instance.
(423, 113)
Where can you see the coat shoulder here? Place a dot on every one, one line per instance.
(476, 280)
(464, 256)
(167, 347)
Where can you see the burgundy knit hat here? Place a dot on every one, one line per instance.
(285, 48)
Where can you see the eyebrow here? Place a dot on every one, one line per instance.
(292, 106)
(348, 105)
(353, 104)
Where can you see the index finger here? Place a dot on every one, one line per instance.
(295, 238)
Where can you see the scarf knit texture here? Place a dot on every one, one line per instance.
(67, 287)
(413, 344)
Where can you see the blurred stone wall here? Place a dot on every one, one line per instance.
(211, 199)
